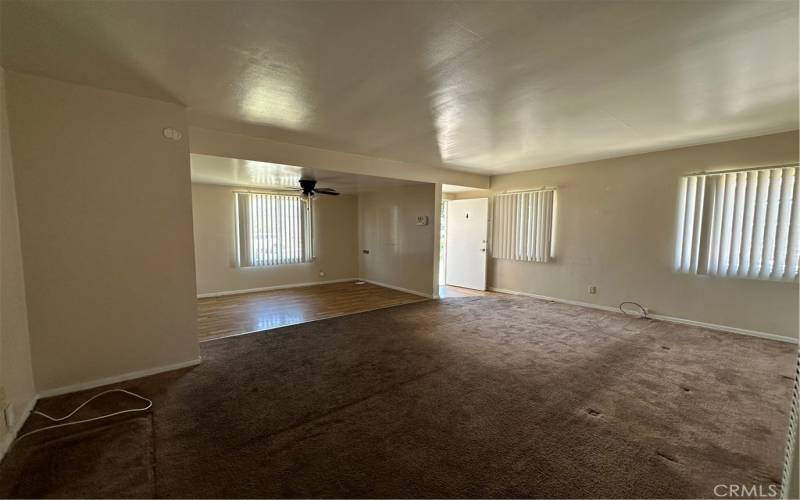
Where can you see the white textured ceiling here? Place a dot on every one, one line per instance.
(485, 86)
(207, 169)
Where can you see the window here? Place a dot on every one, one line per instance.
(272, 229)
(523, 226)
(741, 224)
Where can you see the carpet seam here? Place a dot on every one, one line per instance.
(353, 403)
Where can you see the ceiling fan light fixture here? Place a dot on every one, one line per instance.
(309, 188)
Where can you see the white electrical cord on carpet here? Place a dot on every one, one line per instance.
(73, 412)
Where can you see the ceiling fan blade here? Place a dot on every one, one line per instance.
(329, 191)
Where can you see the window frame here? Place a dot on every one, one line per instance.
(739, 223)
(515, 249)
(301, 252)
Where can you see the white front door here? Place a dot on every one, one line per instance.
(467, 230)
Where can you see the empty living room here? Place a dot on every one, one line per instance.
(399, 249)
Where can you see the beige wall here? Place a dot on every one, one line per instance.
(16, 376)
(335, 238)
(106, 224)
(401, 253)
(615, 229)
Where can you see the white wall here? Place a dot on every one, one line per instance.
(106, 225)
(401, 253)
(335, 238)
(16, 375)
(615, 229)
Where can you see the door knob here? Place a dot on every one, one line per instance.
(483, 249)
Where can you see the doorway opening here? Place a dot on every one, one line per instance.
(463, 244)
(442, 243)
(278, 245)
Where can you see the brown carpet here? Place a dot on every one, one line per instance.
(496, 396)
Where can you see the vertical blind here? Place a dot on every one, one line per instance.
(740, 224)
(523, 226)
(273, 229)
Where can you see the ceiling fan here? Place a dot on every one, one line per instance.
(309, 189)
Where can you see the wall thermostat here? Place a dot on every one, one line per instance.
(422, 220)
(173, 134)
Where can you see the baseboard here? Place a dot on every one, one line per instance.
(9, 438)
(116, 379)
(670, 319)
(399, 289)
(554, 299)
(725, 328)
(268, 288)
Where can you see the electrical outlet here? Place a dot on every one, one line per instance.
(592, 289)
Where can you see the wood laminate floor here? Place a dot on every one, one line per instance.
(253, 312)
